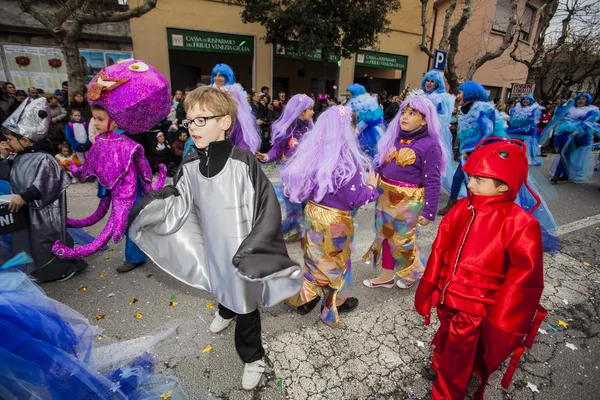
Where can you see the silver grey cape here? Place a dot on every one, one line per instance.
(220, 234)
(47, 217)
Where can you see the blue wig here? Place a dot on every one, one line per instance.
(527, 96)
(586, 95)
(223, 70)
(473, 91)
(436, 77)
(356, 89)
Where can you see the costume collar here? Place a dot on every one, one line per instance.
(466, 107)
(220, 147)
(418, 134)
(482, 203)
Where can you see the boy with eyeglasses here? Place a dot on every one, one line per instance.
(218, 228)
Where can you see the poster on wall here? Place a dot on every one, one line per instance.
(91, 63)
(113, 58)
(45, 67)
(40, 67)
(2, 73)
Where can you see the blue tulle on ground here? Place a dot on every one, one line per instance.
(46, 352)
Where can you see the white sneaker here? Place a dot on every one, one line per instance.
(403, 285)
(252, 374)
(219, 324)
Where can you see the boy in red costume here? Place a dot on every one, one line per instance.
(485, 274)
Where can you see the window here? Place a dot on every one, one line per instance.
(527, 23)
(501, 16)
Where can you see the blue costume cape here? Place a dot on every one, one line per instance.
(522, 126)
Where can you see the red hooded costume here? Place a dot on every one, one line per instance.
(485, 276)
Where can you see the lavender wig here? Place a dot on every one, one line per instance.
(245, 117)
(425, 107)
(326, 159)
(296, 106)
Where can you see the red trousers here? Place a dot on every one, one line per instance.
(456, 345)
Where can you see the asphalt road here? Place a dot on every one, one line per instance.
(377, 352)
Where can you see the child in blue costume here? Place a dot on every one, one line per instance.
(477, 120)
(523, 121)
(371, 125)
(435, 90)
(573, 137)
(245, 133)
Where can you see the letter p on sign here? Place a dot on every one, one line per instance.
(439, 60)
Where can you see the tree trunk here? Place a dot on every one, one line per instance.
(73, 60)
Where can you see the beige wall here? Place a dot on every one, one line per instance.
(477, 38)
(149, 33)
(149, 38)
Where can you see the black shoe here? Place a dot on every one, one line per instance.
(554, 180)
(127, 266)
(308, 307)
(349, 305)
(564, 178)
(428, 373)
(67, 275)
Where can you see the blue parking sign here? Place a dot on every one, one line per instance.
(439, 60)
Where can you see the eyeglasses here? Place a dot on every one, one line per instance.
(198, 121)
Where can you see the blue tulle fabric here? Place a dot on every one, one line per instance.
(46, 352)
(522, 126)
(444, 104)
(577, 158)
(482, 121)
(545, 191)
(371, 125)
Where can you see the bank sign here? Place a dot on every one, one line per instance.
(210, 42)
(381, 60)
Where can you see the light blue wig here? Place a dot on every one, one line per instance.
(473, 91)
(356, 89)
(587, 96)
(223, 70)
(437, 77)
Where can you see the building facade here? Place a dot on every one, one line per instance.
(484, 32)
(184, 39)
(30, 57)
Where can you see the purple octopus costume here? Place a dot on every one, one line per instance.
(136, 96)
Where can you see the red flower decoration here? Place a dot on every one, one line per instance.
(23, 61)
(55, 63)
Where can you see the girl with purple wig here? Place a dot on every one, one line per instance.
(328, 171)
(287, 132)
(410, 160)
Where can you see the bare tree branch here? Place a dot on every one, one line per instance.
(451, 74)
(444, 44)
(423, 45)
(27, 6)
(112, 16)
(509, 36)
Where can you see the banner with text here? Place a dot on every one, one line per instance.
(210, 42)
(281, 51)
(520, 89)
(381, 60)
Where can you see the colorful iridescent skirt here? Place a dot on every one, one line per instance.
(396, 213)
(327, 263)
(291, 223)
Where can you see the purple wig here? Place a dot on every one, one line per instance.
(245, 117)
(296, 106)
(425, 107)
(326, 159)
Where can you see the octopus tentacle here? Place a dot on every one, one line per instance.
(162, 177)
(120, 212)
(67, 253)
(94, 218)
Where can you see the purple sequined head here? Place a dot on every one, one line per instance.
(133, 93)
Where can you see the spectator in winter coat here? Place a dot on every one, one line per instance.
(78, 102)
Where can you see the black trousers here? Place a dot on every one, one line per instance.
(248, 342)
